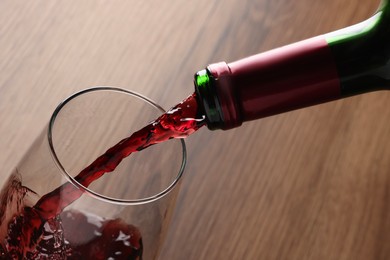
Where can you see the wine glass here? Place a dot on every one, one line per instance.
(123, 214)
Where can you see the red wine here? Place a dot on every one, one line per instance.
(179, 122)
(46, 229)
(108, 238)
(75, 235)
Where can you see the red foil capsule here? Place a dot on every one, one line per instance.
(287, 78)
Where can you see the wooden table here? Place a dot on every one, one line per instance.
(309, 184)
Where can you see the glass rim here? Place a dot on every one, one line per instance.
(90, 192)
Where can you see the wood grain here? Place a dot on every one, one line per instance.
(309, 184)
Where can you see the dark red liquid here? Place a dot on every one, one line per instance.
(47, 217)
(73, 235)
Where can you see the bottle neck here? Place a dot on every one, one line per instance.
(347, 62)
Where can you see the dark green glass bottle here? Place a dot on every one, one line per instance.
(347, 62)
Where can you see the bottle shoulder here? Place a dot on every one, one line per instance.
(362, 53)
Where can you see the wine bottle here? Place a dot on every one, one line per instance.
(347, 62)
